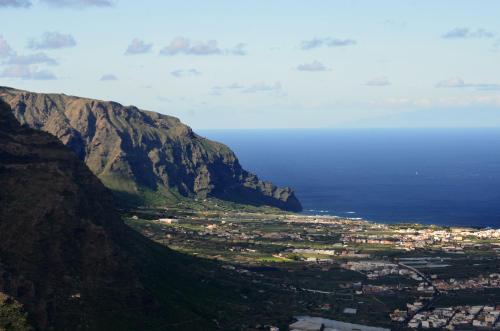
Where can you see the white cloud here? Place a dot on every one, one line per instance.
(185, 73)
(15, 3)
(328, 42)
(58, 3)
(138, 46)
(313, 43)
(313, 66)
(182, 45)
(108, 77)
(52, 40)
(340, 42)
(176, 46)
(457, 82)
(201, 48)
(452, 82)
(467, 33)
(37, 58)
(26, 72)
(79, 3)
(378, 81)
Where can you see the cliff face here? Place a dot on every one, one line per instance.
(70, 263)
(131, 149)
(59, 233)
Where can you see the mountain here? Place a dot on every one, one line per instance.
(68, 260)
(58, 231)
(136, 152)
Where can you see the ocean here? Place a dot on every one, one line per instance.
(432, 176)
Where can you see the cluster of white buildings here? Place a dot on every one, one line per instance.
(487, 318)
(480, 282)
(464, 316)
(451, 318)
(452, 240)
(425, 287)
(438, 318)
(378, 269)
(402, 315)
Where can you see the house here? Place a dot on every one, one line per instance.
(351, 311)
(168, 220)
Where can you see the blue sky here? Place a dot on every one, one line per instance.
(265, 64)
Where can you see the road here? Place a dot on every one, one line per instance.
(435, 294)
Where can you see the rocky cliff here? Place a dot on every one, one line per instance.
(132, 150)
(59, 255)
(67, 257)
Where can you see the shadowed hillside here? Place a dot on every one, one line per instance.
(70, 261)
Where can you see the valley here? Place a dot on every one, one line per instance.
(394, 276)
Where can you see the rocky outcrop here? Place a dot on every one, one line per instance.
(131, 150)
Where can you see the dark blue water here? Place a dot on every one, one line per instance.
(439, 176)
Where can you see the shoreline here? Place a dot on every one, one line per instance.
(325, 213)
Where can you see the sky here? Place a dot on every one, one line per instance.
(265, 64)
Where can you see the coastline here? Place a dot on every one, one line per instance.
(325, 213)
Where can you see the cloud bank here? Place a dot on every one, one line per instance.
(108, 77)
(78, 3)
(57, 3)
(37, 58)
(185, 73)
(467, 33)
(328, 42)
(138, 46)
(15, 3)
(27, 73)
(313, 66)
(457, 82)
(52, 40)
(182, 45)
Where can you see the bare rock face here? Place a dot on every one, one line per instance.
(59, 234)
(130, 150)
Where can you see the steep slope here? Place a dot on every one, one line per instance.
(58, 229)
(65, 253)
(134, 151)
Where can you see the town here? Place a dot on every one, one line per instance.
(345, 271)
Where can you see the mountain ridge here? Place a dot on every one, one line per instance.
(69, 262)
(131, 150)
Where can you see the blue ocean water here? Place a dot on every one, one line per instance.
(436, 176)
